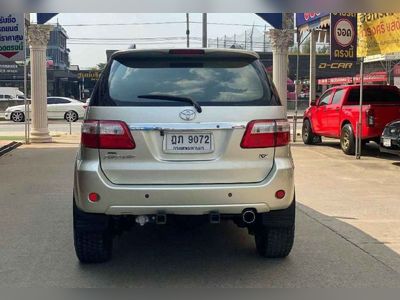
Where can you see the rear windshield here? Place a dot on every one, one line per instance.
(374, 96)
(210, 82)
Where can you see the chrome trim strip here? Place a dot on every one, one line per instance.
(186, 126)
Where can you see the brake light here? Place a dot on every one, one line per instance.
(371, 117)
(106, 135)
(266, 134)
(187, 51)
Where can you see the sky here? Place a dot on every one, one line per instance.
(87, 52)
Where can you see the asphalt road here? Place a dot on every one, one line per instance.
(36, 247)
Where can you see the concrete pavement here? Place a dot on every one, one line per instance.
(37, 246)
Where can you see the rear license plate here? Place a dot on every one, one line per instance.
(387, 142)
(187, 142)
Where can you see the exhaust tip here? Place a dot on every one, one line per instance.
(248, 216)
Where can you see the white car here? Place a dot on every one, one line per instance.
(57, 108)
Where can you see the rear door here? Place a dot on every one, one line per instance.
(176, 144)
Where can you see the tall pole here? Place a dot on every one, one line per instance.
(204, 30)
(187, 30)
(26, 105)
(296, 89)
(312, 89)
(265, 39)
(359, 124)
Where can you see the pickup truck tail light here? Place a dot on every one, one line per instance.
(371, 117)
(266, 134)
(106, 135)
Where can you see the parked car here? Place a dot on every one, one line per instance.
(336, 113)
(184, 135)
(390, 139)
(57, 108)
(10, 93)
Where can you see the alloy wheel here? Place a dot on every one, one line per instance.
(17, 116)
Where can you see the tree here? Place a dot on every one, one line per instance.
(101, 66)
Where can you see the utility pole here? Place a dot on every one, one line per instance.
(245, 40)
(265, 39)
(187, 30)
(251, 38)
(204, 30)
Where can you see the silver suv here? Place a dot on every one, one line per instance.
(184, 135)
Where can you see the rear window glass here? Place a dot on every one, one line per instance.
(209, 82)
(374, 96)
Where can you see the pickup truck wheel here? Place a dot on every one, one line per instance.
(347, 141)
(274, 242)
(309, 138)
(92, 245)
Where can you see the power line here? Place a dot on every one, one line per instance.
(127, 39)
(159, 23)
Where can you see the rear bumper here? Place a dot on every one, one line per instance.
(7, 115)
(182, 199)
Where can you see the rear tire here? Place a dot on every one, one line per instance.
(18, 116)
(309, 138)
(71, 116)
(94, 244)
(274, 242)
(347, 140)
(274, 232)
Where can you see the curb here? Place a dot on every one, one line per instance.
(9, 147)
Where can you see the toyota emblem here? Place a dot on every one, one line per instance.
(188, 115)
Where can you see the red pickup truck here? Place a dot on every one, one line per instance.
(335, 114)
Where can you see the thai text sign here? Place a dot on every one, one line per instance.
(12, 45)
(378, 33)
(344, 36)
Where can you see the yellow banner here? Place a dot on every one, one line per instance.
(378, 33)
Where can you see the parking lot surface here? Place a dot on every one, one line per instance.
(347, 230)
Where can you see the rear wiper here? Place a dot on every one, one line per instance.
(173, 98)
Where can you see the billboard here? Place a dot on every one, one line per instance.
(12, 43)
(378, 33)
(343, 31)
(309, 17)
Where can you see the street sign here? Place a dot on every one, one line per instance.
(343, 36)
(12, 44)
(378, 33)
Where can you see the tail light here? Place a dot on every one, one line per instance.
(106, 135)
(266, 134)
(371, 117)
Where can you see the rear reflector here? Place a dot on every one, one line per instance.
(93, 197)
(106, 135)
(266, 134)
(280, 194)
(187, 51)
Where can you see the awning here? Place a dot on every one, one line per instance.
(322, 23)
